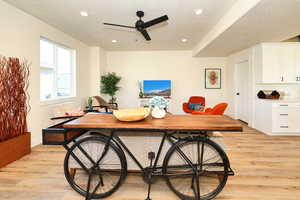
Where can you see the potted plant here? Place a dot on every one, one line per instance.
(14, 135)
(141, 94)
(109, 85)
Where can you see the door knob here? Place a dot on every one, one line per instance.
(237, 93)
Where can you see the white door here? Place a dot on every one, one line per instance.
(242, 97)
(297, 64)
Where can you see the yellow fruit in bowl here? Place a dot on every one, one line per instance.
(135, 114)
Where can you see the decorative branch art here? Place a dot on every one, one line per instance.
(213, 78)
(13, 97)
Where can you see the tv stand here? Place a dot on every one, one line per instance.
(144, 102)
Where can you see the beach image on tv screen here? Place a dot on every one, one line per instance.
(157, 88)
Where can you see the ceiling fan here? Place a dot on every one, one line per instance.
(141, 26)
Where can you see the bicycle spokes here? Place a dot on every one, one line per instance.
(199, 174)
(94, 168)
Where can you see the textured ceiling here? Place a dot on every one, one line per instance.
(269, 21)
(183, 23)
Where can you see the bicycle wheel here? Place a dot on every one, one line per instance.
(86, 176)
(196, 167)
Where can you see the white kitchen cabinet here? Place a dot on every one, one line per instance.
(277, 117)
(287, 61)
(271, 63)
(285, 117)
(278, 63)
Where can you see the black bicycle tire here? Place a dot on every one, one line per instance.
(118, 151)
(216, 147)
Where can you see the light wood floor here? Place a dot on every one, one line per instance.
(267, 168)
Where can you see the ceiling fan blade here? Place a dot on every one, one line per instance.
(119, 25)
(155, 21)
(145, 34)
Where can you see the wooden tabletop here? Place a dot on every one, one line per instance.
(170, 122)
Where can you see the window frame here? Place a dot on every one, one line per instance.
(54, 68)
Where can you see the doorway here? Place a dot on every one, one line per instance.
(242, 91)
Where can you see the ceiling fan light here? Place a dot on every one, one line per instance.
(114, 41)
(183, 40)
(141, 26)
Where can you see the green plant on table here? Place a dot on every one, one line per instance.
(90, 103)
(109, 85)
(141, 94)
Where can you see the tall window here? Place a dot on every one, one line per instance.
(57, 72)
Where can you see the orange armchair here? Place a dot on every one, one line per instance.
(193, 99)
(217, 110)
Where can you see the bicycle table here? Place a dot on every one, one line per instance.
(95, 165)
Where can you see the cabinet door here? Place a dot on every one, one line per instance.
(297, 64)
(287, 63)
(271, 63)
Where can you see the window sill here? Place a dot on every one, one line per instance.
(57, 101)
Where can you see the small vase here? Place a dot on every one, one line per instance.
(158, 113)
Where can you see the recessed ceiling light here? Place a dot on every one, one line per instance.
(198, 11)
(84, 14)
(183, 40)
(114, 41)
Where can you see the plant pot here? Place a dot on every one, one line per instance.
(158, 113)
(14, 149)
(141, 94)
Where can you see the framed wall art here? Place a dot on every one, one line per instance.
(213, 78)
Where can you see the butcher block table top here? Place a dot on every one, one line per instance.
(170, 122)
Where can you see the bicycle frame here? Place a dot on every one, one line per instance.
(166, 136)
(169, 136)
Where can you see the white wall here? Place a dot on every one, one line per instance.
(185, 71)
(98, 64)
(19, 37)
(232, 61)
(95, 70)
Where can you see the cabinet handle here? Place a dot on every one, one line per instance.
(282, 79)
(284, 126)
(284, 114)
(283, 105)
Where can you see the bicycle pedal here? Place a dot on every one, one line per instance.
(151, 155)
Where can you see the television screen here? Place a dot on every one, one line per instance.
(157, 88)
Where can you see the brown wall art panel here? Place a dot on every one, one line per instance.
(13, 97)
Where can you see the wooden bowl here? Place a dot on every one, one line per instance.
(130, 115)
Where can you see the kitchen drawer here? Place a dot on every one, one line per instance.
(57, 135)
(283, 129)
(286, 105)
(286, 120)
(281, 124)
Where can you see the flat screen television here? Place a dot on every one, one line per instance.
(157, 88)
